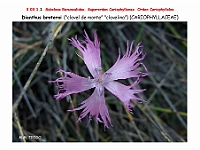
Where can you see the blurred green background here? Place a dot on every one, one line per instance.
(162, 118)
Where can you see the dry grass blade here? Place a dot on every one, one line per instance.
(19, 127)
(36, 67)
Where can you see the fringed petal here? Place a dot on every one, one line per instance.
(125, 67)
(125, 93)
(72, 83)
(95, 105)
(90, 53)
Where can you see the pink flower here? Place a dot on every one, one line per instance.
(124, 68)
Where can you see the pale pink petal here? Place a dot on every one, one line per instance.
(72, 83)
(125, 93)
(90, 53)
(95, 105)
(125, 67)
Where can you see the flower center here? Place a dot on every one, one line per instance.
(99, 80)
